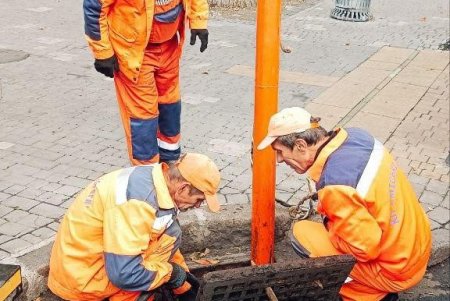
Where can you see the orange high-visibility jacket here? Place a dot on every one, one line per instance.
(371, 209)
(119, 234)
(123, 28)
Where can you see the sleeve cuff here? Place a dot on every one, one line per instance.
(198, 24)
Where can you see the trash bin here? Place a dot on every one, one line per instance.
(351, 10)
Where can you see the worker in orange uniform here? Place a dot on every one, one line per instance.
(120, 238)
(369, 208)
(139, 44)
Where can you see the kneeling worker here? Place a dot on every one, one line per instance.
(368, 206)
(120, 238)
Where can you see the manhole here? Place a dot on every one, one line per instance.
(9, 56)
(300, 279)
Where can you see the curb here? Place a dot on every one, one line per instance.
(205, 230)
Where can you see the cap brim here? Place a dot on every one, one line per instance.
(212, 202)
(266, 142)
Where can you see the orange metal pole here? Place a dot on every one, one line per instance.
(266, 103)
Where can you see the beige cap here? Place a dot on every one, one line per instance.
(287, 121)
(203, 174)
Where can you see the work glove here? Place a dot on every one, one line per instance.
(107, 66)
(193, 281)
(191, 294)
(178, 276)
(202, 35)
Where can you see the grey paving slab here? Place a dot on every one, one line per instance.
(60, 127)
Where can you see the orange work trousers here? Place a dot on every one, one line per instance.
(310, 239)
(150, 108)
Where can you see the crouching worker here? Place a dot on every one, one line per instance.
(368, 206)
(120, 238)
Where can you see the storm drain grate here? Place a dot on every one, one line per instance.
(300, 279)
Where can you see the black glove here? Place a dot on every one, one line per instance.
(178, 276)
(107, 67)
(191, 294)
(202, 35)
(193, 281)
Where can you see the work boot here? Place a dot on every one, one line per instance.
(390, 297)
(144, 296)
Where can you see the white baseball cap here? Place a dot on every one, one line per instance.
(287, 121)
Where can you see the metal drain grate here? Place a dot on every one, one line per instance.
(300, 279)
(351, 10)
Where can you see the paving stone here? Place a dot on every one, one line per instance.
(392, 55)
(31, 239)
(291, 184)
(427, 207)
(241, 182)
(239, 198)
(446, 202)
(68, 190)
(438, 187)
(34, 221)
(418, 188)
(222, 199)
(432, 198)
(431, 174)
(4, 210)
(434, 225)
(283, 196)
(371, 122)
(3, 255)
(52, 198)
(47, 210)
(5, 184)
(17, 202)
(66, 204)
(440, 215)
(228, 190)
(76, 182)
(13, 229)
(15, 189)
(15, 215)
(36, 184)
(440, 250)
(15, 245)
(51, 187)
(5, 145)
(30, 193)
(44, 233)
(53, 226)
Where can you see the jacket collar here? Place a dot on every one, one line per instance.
(315, 170)
(162, 191)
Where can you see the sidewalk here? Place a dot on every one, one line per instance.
(60, 128)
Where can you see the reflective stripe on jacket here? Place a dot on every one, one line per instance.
(123, 28)
(371, 209)
(119, 234)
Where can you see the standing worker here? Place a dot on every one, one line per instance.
(368, 206)
(139, 44)
(120, 238)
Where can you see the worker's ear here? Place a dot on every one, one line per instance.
(183, 187)
(301, 144)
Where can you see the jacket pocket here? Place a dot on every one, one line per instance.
(123, 29)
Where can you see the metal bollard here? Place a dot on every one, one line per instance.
(351, 10)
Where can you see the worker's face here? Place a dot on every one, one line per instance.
(187, 199)
(300, 158)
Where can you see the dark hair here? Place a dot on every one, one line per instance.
(311, 136)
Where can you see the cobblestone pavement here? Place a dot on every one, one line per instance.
(60, 128)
